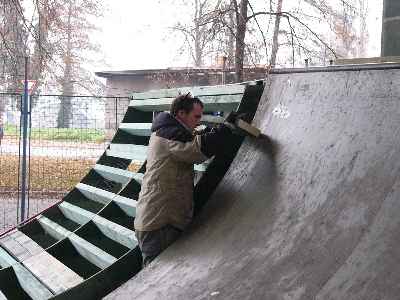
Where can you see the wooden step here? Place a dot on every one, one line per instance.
(126, 204)
(31, 285)
(196, 91)
(137, 153)
(211, 103)
(90, 252)
(20, 245)
(110, 229)
(212, 119)
(117, 175)
(51, 272)
(141, 129)
(144, 129)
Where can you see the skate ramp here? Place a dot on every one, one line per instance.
(310, 213)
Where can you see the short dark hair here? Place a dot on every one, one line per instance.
(184, 102)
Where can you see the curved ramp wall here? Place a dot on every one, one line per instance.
(85, 246)
(311, 213)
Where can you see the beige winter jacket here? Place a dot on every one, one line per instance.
(166, 196)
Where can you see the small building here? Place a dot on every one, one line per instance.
(124, 83)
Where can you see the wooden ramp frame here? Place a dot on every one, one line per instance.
(85, 246)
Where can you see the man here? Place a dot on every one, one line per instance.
(165, 204)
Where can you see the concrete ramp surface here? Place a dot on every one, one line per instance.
(311, 213)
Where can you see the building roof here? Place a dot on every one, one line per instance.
(144, 72)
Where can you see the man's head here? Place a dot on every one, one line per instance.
(188, 110)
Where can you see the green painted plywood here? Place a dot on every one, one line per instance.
(197, 91)
(211, 103)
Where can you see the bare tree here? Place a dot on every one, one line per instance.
(71, 46)
(275, 41)
(201, 31)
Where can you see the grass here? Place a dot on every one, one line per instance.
(47, 174)
(60, 134)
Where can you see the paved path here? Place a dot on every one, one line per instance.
(66, 150)
(8, 210)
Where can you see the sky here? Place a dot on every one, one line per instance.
(135, 34)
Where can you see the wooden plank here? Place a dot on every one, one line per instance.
(95, 194)
(53, 273)
(139, 150)
(56, 276)
(20, 245)
(89, 251)
(141, 159)
(126, 204)
(117, 175)
(248, 128)
(144, 129)
(197, 91)
(140, 129)
(6, 260)
(137, 153)
(110, 229)
(211, 103)
(368, 60)
(212, 119)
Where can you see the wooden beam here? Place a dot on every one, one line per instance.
(211, 103)
(126, 204)
(140, 158)
(140, 129)
(31, 285)
(20, 245)
(55, 275)
(89, 251)
(197, 91)
(368, 60)
(110, 229)
(117, 175)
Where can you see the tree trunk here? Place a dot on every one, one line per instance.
(275, 39)
(65, 112)
(241, 22)
(198, 53)
(363, 39)
(231, 40)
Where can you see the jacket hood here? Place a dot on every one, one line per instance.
(163, 120)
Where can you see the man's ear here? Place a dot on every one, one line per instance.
(181, 114)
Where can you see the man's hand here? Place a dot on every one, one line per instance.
(234, 116)
(231, 121)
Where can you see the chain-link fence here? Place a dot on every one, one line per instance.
(66, 136)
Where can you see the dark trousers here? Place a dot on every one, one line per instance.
(152, 243)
